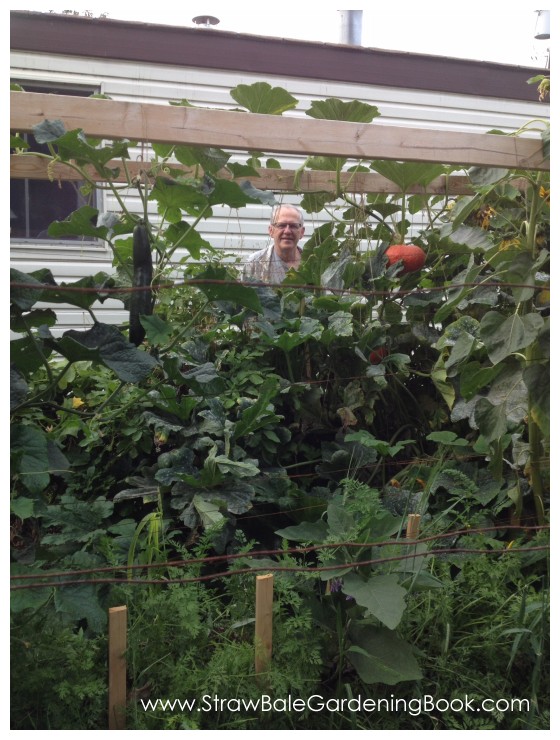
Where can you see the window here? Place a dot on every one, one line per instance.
(35, 204)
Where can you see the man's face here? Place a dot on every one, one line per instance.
(286, 230)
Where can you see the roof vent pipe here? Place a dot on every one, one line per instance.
(542, 30)
(351, 27)
(205, 21)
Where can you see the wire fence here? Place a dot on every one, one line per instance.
(409, 550)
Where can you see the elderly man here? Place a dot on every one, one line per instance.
(271, 264)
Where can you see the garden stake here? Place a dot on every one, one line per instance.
(263, 622)
(117, 667)
(412, 531)
(413, 527)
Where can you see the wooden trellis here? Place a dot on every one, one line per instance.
(150, 123)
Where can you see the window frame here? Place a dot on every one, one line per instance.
(50, 247)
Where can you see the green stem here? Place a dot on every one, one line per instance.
(177, 244)
(532, 356)
(289, 365)
(185, 329)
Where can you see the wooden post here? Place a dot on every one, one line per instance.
(412, 532)
(413, 527)
(263, 622)
(117, 667)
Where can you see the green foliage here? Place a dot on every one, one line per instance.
(57, 676)
(252, 417)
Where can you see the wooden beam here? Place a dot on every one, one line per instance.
(150, 122)
(308, 181)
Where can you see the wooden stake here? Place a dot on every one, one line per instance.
(413, 526)
(263, 622)
(412, 532)
(117, 667)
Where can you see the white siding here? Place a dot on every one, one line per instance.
(244, 231)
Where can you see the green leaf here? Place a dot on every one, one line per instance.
(78, 223)
(380, 656)
(447, 438)
(74, 521)
(315, 202)
(491, 420)
(29, 449)
(509, 391)
(460, 352)
(242, 170)
(258, 196)
(22, 507)
(83, 293)
(183, 236)
(439, 379)
(341, 324)
(18, 387)
(208, 511)
(39, 317)
(455, 483)
(260, 97)
(74, 603)
(22, 297)
(26, 354)
(17, 142)
(232, 194)
(341, 522)
(407, 174)
(206, 381)
(27, 598)
(252, 417)
(211, 159)
(481, 177)
(305, 532)
(173, 197)
(238, 468)
(518, 268)
(48, 131)
(327, 164)
(384, 448)
(105, 344)
(381, 595)
(317, 255)
(475, 377)
(158, 331)
(506, 335)
(472, 237)
(236, 495)
(463, 208)
(456, 295)
(208, 282)
(334, 109)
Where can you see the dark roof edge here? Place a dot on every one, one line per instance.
(82, 36)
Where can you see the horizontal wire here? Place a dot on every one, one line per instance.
(261, 284)
(284, 569)
(278, 551)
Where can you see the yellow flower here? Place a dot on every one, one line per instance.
(544, 193)
(77, 402)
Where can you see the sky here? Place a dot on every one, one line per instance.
(495, 32)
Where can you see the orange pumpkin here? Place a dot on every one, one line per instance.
(413, 257)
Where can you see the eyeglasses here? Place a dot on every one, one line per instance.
(282, 226)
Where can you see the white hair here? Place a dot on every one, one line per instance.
(276, 209)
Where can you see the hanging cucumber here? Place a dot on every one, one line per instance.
(140, 300)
